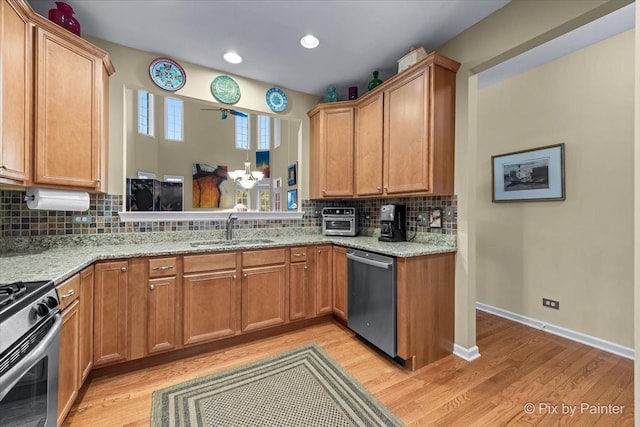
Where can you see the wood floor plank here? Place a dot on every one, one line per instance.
(518, 365)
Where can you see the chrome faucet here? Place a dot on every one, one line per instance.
(230, 220)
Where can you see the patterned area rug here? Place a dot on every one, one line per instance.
(302, 387)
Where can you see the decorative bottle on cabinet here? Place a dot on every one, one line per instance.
(375, 82)
(63, 16)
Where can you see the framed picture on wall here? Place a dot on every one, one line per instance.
(292, 174)
(530, 175)
(292, 199)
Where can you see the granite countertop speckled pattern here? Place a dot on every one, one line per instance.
(59, 263)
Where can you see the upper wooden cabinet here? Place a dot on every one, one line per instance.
(54, 124)
(16, 94)
(331, 163)
(402, 136)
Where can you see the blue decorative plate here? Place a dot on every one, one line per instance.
(225, 90)
(167, 74)
(276, 99)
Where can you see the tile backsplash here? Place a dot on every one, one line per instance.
(16, 220)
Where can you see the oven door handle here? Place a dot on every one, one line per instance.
(373, 262)
(14, 374)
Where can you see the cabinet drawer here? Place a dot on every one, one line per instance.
(69, 291)
(160, 267)
(263, 257)
(209, 262)
(298, 254)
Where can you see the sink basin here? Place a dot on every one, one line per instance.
(221, 243)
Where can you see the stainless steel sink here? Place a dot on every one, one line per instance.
(221, 243)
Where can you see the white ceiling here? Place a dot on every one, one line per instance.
(356, 36)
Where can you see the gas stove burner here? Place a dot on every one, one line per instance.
(11, 292)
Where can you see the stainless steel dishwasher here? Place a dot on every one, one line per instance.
(372, 298)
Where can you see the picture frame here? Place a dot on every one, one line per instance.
(435, 218)
(292, 199)
(292, 174)
(531, 175)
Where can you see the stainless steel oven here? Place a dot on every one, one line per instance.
(30, 325)
(339, 222)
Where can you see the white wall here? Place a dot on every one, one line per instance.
(578, 251)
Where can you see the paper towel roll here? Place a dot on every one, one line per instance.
(57, 200)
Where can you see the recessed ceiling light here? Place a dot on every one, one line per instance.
(309, 41)
(232, 57)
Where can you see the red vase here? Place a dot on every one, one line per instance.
(63, 16)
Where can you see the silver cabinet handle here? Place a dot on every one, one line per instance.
(305, 267)
(379, 188)
(164, 267)
(298, 255)
(245, 275)
(123, 269)
(234, 277)
(151, 287)
(68, 294)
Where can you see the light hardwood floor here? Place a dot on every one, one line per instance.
(518, 365)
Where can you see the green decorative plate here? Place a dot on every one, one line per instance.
(225, 90)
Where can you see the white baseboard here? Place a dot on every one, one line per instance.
(601, 344)
(468, 354)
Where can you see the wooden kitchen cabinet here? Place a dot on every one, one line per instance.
(69, 379)
(16, 89)
(86, 322)
(264, 289)
(54, 104)
(324, 279)
(369, 145)
(301, 285)
(161, 298)
(403, 136)
(340, 273)
(111, 313)
(211, 297)
(331, 150)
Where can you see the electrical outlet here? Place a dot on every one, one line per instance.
(421, 219)
(81, 219)
(448, 213)
(551, 303)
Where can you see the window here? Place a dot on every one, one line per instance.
(264, 132)
(277, 194)
(276, 133)
(173, 114)
(145, 113)
(242, 133)
(242, 197)
(264, 199)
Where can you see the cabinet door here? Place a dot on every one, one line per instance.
(110, 313)
(16, 89)
(406, 145)
(210, 306)
(324, 278)
(264, 297)
(369, 146)
(68, 368)
(69, 107)
(86, 322)
(161, 315)
(340, 282)
(299, 291)
(331, 139)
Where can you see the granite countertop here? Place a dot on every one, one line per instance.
(60, 262)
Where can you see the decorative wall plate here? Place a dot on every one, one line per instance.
(167, 74)
(225, 90)
(276, 99)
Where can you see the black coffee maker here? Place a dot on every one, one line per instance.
(393, 223)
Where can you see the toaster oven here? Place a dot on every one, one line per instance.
(339, 222)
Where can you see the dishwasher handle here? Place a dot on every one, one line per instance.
(380, 264)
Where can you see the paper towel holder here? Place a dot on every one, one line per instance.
(56, 199)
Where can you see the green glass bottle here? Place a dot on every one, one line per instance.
(375, 82)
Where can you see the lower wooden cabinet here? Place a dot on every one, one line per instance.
(86, 322)
(301, 284)
(69, 362)
(161, 314)
(264, 297)
(111, 313)
(324, 279)
(340, 277)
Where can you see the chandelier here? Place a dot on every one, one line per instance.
(246, 178)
